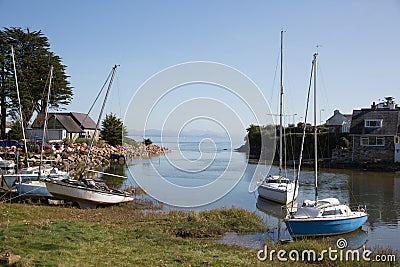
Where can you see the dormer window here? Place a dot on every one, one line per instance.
(373, 123)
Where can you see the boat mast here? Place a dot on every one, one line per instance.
(315, 128)
(99, 119)
(20, 108)
(280, 112)
(45, 121)
(304, 131)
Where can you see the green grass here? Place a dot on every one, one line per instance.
(122, 236)
(213, 223)
(136, 235)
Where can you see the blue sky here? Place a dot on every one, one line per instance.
(359, 42)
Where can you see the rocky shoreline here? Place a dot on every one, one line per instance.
(72, 160)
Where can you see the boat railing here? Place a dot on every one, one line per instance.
(359, 208)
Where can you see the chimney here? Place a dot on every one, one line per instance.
(373, 106)
(390, 102)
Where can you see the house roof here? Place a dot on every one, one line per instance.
(348, 116)
(68, 123)
(73, 122)
(390, 121)
(338, 119)
(39, 121)
(84, 120)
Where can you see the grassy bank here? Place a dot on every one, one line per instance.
(122, 236)
(133, 236)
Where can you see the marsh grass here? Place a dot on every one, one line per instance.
(214, 223)
(122, 236)
(127, 236)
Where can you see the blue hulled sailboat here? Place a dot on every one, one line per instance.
(325, 216)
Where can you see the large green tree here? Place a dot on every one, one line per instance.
(33, 60)
(113, 130)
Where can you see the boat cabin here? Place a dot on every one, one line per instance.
(325, 208)
(277, 179)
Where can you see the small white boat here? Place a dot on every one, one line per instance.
(32, 188)
(88, 193)
(27, 181)
(279, 188)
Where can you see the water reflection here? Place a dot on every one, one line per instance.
(355, 240)
(381, 193)
(113, 181)
(274, 214)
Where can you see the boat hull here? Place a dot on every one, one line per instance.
(30, 174)
(11, 180)
(323, 227)
(8, 182)
(86, 197)
(33, 188)
(281, 196)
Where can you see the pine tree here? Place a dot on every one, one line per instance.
(113, 130)
(16, 131)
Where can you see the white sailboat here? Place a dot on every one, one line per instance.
(28, 181)
(31, 174)
(88, 192)
(327, 216)
(279, 188)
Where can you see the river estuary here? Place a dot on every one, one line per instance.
(196, 164)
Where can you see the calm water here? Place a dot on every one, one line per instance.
(199, 164)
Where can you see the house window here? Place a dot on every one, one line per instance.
(380, 141)
(373, 123)
(372, 141)
(365, 141)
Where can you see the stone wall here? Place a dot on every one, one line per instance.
(341, 156)
(372, 154)
(72, 160)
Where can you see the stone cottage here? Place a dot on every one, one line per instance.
(375, 133)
